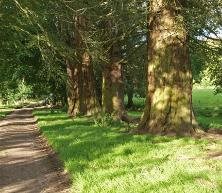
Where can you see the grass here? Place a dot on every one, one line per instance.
(4, 110)
(106, 159)
(208, 108)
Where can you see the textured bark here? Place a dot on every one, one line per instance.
(113, 96)
(89, 104)
(81, 93)
(73, 96)
(168, 107)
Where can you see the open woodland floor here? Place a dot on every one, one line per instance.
(104, 157)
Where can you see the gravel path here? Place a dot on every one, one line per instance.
(26, 162)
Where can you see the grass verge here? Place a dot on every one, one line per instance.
(4, 110)
(106, 159)
(208, 108)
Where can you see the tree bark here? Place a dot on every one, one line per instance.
(168, 107)
(81, 95)
(89, 104)
(113, 96)
(73, 96)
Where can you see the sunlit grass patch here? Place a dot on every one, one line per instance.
(105, 159)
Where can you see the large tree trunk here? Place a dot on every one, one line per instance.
(168, 107)
(113, 96)
(81, 93)
(89, 104)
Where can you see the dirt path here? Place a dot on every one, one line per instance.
(26, 164)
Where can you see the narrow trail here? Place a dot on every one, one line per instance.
(26, 163)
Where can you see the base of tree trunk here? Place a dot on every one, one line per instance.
(194, 130)
(168, 109)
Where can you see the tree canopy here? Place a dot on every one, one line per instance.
(38, 38)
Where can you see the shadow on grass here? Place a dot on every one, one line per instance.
(52, 119)
(79, 142)
(210, 111)
(181, 178)
(209, 117)
(4, 112)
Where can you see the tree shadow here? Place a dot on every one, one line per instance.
(4, 112)
(53, 118)
(182, 177)
(32, 175)
(80, 142)
(209, 117)
(26, 165)
(216, 155)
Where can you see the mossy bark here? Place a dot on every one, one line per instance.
(113, 96)
(73, 95)
(168, 107)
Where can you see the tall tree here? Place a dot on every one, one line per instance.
(169, 91)
(81, 92)
(113, 88)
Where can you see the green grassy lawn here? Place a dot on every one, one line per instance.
(208, 108)
(107, 159)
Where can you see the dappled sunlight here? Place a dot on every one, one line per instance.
(103, 159)
(25, 160)
(67, 67)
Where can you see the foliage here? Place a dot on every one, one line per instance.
(21, 52)
(17, 94)
(36, 40)
(23, 91)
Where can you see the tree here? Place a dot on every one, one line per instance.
(168, 106)
(81, 92)
(204, 23)
(113, 87)
(60, 47)
(118, 32)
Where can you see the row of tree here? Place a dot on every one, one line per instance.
(89, 54)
